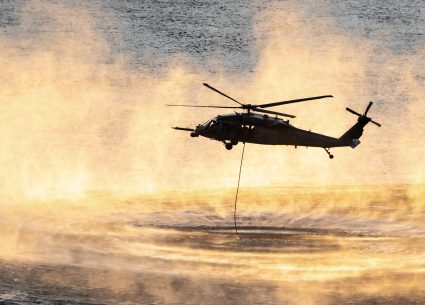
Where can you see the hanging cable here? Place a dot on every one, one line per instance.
(237, 192)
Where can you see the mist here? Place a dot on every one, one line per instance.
(78, 117)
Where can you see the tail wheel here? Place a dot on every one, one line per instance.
(328, 152)
(228, 146)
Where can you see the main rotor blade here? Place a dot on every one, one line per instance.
(202, 106)
(292, 101)
(376, 123)
(368, 107)
(273, 112)
(352, 111)
(223, 94)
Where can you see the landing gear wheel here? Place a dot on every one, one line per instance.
(328, 152)
(228, 146)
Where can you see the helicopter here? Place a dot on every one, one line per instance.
(260, 126)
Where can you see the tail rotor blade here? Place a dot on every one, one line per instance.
(352, 111)
(368, 107)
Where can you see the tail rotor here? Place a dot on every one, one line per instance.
(364, 114)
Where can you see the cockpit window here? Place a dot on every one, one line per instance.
(210, 123)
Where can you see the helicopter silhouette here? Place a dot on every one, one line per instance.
(256, 125)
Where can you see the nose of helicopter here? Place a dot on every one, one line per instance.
(197, 131)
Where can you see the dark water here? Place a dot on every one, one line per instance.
(154, 32)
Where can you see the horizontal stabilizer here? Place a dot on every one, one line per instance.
(354, 143)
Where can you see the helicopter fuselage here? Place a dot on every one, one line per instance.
(263, 129)
(257, 126)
